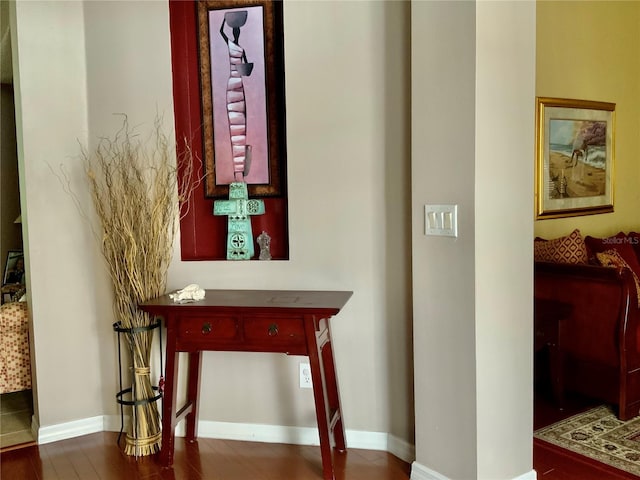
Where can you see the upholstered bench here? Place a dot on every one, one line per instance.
(15, 362)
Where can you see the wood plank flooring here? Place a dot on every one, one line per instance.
(97, 456)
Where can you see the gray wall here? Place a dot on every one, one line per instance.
(347, 67)
(344, 135)
(472, 121)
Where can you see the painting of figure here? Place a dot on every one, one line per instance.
(239, 96)
(241, 88)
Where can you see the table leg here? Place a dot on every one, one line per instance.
(321, 415)
(326, 396)
(333, 395)
(169, 398)
(556, 367)
(193, 393)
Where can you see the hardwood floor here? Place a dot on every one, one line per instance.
(97, 456)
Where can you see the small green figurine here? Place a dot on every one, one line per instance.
(238, 210)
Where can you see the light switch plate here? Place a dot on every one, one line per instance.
(441, 220)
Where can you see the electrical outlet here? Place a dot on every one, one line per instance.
(305, 376)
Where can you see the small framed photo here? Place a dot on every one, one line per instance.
(574, 157)
(14, 268)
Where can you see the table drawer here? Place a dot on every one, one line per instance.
(274, 331)
(208, 328)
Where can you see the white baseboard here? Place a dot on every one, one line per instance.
(235, 431)
(301, 436)
(75, 428)
(254, 432)
(532, 475)
(420, 472)
(401, 448)
(35, 426)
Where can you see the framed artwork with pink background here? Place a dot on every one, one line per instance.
(242, 90)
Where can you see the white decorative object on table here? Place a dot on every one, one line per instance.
(190, 293)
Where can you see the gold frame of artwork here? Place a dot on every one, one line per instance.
(575, 151)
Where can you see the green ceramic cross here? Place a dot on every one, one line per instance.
(238, 210)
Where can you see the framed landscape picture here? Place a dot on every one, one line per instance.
(574, 157)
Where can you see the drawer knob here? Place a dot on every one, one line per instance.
(206, 327)
(273, 330)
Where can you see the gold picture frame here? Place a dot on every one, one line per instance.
(575, 151)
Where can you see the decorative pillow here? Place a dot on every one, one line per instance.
(569, 249)
(622, 243)
(612, 258)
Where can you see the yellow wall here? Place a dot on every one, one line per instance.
(591, 51)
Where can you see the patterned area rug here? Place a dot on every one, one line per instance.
(598, 434)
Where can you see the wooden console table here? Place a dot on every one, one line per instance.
(291, 322)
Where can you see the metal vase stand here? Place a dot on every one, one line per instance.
(119, 329)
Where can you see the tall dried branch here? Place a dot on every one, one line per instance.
(139, 193)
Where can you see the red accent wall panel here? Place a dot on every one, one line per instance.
(203, 235)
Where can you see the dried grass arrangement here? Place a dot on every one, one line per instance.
(139, 190)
